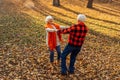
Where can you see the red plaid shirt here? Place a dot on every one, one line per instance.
(77, 34)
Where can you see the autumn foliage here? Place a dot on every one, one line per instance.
(25, 56)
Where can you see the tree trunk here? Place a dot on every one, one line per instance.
(56, 3)
(109, 1)
(90, 2)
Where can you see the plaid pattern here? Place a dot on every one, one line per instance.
(76, 33)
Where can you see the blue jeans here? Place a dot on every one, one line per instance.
(58, 49)
(74, 51)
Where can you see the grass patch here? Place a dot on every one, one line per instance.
(21, 29)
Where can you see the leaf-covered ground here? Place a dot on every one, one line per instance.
(23, 52)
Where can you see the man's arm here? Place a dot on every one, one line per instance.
(65, 31)
(64, 27)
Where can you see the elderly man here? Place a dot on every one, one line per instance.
(77, 35)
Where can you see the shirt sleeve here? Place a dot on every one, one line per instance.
(50, 30)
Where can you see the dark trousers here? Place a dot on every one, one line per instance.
(74, 51)
(58, 49)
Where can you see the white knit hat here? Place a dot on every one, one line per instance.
(48, 18)
(81, 17)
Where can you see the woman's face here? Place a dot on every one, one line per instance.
(50, 21)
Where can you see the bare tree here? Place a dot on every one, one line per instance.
(89, 5)
(56, 3)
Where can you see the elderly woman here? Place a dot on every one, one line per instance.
(53, 38)
(77, 35)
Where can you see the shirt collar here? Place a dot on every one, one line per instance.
(81, 23)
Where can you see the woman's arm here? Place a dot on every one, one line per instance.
(50, 30)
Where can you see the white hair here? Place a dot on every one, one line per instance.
(81, 17)
(48, 18)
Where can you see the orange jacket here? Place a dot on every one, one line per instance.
(52, 36)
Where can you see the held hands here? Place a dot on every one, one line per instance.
(55, 30)
(62, 27)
